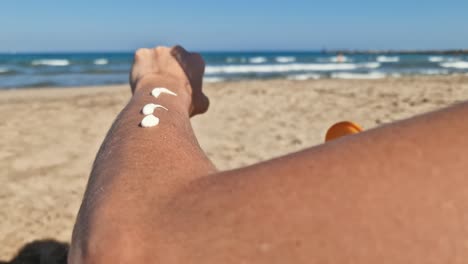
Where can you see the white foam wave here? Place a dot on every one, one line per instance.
(285, 59)
(386, 59)
(101, 62)
(258, 60)
(455, 64)
(303, 77)
(236, 60)
(435, 59)
(4, 70)
(442, 59)
(336, 59)
(213, 79)
(296, 67)
(367, 76)
(231, 59)
(50, 62)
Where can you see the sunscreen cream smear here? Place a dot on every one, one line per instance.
(160, 90)
(149, 108)
(149, 121)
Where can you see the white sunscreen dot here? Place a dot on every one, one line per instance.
(149, 121)
(156, 92)
(149, 108)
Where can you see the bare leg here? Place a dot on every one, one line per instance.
(396, 194)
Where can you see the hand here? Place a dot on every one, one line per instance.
(172, 63)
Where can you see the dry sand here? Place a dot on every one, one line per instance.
(49, 137)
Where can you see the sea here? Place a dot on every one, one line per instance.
(92, 69)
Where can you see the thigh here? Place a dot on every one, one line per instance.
(391, 195)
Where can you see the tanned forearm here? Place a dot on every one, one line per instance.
(137, 168)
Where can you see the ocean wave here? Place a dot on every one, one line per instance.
(213, 79)
(455, 64)
(41, 84)
(335, 59)
(231, 59)
(258, 60)
(98, 71)
(304, 77)
(236, 60)
(297, 67)
(366, 76)
(387, 59)
(285, 59)
(4, 71)
(435, 59)
(442, 59)
(45, 62)
(101, 62)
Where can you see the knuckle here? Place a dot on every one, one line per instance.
(160, 49)
(140, 53)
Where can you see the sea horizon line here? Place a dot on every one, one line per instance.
(323, 51)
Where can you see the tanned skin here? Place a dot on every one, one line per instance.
(395, 194)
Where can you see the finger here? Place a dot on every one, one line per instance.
(204, 105)
(140, 61)
(179, 53)
(197, 59)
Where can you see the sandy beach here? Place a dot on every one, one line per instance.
(49, 137)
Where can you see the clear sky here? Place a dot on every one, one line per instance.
(114, 25)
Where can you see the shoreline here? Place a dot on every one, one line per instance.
(208, 83)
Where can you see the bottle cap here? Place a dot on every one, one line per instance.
(342, 129)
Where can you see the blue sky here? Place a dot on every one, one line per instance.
(113, 25)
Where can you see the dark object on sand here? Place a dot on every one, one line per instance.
(41, 252)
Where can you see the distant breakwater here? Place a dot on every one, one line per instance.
(398, 52)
